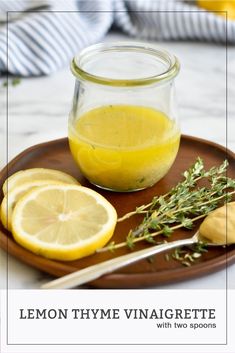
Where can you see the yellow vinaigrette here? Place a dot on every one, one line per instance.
(124, 148)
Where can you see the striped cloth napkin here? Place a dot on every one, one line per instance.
(41, 36)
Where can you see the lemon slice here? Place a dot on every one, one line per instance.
(63, 222)
(24, 176)
(10, 199)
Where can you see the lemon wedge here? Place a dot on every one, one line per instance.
(24, 176)
(63, 222)
(10, 199)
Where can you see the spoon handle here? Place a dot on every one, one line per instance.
(95, 271)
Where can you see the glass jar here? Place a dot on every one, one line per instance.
(123, 129)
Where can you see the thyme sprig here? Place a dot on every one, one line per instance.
(189, 255)
(182, 206)
(14, 82)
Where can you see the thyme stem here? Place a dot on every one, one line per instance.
(181, 206)
(136, 240)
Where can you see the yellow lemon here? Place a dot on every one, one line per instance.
(24, 176)
(10, 199)
(63, 222)
(227, 7)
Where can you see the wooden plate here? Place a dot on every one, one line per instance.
(56, 154)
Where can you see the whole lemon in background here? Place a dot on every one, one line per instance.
(228, 6)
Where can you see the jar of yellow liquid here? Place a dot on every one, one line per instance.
(123, 129)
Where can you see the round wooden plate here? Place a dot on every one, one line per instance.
(56, 154)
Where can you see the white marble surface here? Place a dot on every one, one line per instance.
(38, 112)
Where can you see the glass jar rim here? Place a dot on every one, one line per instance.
(147, 48)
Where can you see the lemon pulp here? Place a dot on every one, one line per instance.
(13, 196)
(24, 176)
(124, 148)
(63, 222)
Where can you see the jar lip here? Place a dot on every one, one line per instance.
(149, 48)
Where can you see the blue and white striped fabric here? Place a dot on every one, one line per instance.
(41, 36)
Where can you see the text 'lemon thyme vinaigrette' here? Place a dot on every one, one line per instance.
(123, 132)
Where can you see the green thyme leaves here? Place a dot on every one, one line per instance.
(181, 207)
